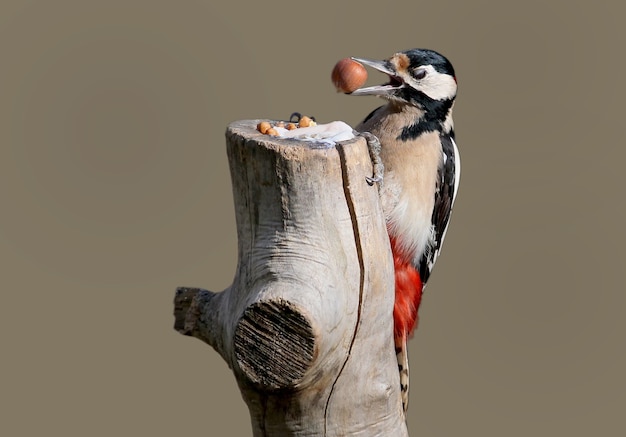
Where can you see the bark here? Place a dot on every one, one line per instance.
(307, 324)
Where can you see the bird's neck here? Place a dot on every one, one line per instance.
(435, 116)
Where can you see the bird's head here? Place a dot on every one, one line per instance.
(417, 77)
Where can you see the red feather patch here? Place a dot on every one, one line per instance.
(408, 293)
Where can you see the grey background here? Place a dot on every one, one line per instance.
(115, 189)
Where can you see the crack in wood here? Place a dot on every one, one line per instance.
(359, 250)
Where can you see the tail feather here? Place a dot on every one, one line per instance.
(403, 367)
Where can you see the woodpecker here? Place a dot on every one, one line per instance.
(422, 169)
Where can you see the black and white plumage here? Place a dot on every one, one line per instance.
(422, 169)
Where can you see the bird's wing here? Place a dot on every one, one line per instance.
(447, 187)
(360, 126)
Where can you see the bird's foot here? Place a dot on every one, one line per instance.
(374, 147)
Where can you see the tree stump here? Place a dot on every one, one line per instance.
(307, 324)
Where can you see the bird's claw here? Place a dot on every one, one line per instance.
(372, 180)
(373, 145)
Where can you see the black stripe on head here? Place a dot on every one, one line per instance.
(430, 57)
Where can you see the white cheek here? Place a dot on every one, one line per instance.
(439, 86)
(436, 85)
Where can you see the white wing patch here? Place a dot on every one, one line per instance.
(457, 170)
(457, 176)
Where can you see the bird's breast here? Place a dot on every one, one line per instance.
(408, 194)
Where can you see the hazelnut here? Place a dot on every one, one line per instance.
(348, 75)
(272, 131)
(263, 127)
(291, 126)
(306, 122)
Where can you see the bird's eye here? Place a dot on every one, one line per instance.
(420, 73)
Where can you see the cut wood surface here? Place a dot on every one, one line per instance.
(306, 325)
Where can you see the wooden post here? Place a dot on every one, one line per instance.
(307, 324)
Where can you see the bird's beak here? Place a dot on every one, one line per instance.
(395, 82)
